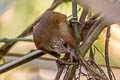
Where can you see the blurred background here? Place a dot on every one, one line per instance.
(17, 15)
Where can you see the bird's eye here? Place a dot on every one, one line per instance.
(65, 45)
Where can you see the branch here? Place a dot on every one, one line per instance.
(94, 17)
(84, 14)
(70, 75)
(94, 26)
(94, 73)
(89, 41)
(99, 51)
(82, 18)
(20, 61)
(20, 55)
(109, 70)
(61, 67)
(15, 39)
(71, 72)
(74, 18)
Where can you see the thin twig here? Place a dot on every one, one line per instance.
(20, 61)
(66, 62)
(99, 68)
(89, 41)
(61, 67)
(93, 27)
(95, 74)
(91, 55)
(15, 39)
(84, 14)
(99, 51)
(94, 17)
(59, 73)
(72, 71)
(83, 17)
(109, 70)
(66, 72)
(74, 18)
(17, 55)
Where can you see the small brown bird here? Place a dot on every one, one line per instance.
(52, 33)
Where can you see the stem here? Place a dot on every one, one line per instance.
(89, 41)
(84, 14)
(73, 69)
(15, 39)
(22, 60)
(109, 70)
(74, 17)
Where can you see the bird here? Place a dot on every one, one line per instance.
(53, 33)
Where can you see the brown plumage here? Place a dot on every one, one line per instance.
(53, 32)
